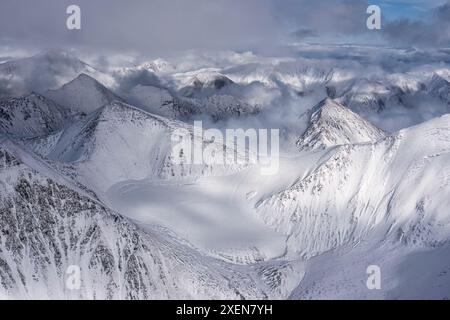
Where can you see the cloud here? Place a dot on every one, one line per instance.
(152, 26)
(435, 31)
(304, 33)
(324, 17)
(126, 80)
(164, 26)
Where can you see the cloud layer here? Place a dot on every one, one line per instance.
(168, 25)
(434, 31)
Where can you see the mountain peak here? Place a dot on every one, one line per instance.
(83, 94)
(212, 79)
(84, 77)
(85, 80)
(205, 83)
(327, 104)
(331, 123)
(157, 66)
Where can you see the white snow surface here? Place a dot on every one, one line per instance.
(332, 124)
(364, 177)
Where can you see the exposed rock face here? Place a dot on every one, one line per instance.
(103, 149)
(358, 190)
(31, 115)
(332, 124)
(440, 87)
(47, 227)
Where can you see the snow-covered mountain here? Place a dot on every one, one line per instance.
(31, 115)
(224, 107)
(440, 87)
(162, 102)
(46, 227)
(205, 83)
(99, 180)
(104, 149)
(41, 72)
(357, 190)
(83, 94)
(332, 124)
(374, 96)
(158, 66)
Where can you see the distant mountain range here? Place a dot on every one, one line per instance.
(88, 178)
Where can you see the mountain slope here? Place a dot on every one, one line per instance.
(119, 142)
(161, 102)
(332, 124)
(47, 227)
(372, 96)
(397, 186)
(83, 94)
(205, 83)
(31, 115)
(221, 107)
(406, 273)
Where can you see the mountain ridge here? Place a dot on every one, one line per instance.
(332, 124)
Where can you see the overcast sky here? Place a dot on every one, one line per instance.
(168, 25)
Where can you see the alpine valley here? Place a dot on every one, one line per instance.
(88, 177)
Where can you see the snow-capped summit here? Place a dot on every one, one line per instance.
(205, 83)
(211, 80)
(158, 66)
(367, 96)
(331, 124)
(120, 142)
(31, 115)
(357, 188)
(83, 94)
